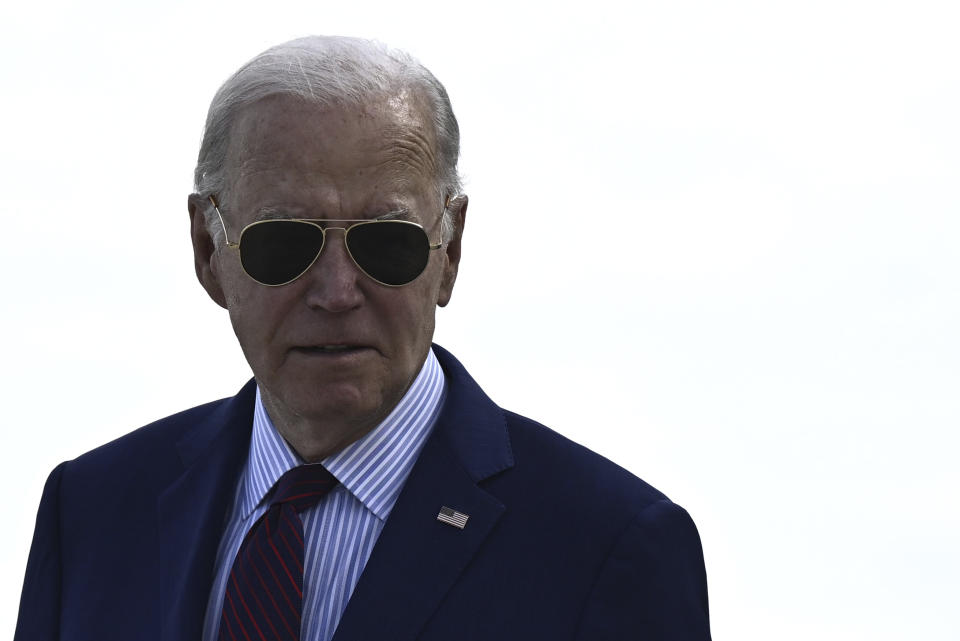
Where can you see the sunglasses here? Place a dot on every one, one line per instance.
(279, 251)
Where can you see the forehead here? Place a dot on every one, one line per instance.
(340, 157)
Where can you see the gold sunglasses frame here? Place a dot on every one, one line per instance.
(356, 222)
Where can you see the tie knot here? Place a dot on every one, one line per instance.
(303, 486)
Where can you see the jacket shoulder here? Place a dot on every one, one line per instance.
(149, 455)
(578, 471)
(147, 442)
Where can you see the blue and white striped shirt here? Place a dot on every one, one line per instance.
(341, 530)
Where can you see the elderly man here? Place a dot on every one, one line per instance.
(361, 486)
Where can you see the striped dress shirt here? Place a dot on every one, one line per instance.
(341, 530)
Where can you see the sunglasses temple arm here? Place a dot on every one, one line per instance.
(220, 216)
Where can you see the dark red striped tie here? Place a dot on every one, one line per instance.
(265, 589)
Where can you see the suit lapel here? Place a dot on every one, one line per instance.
(417, 558)
(192, 510)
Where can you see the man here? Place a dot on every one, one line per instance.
(362, 486)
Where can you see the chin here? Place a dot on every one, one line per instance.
(332, 402)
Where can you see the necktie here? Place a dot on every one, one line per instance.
(264, 592)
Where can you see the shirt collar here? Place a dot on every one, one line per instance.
(373, 468)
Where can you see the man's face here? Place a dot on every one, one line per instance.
(292, 159)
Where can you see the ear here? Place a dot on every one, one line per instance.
(452, 250)
(204, 250)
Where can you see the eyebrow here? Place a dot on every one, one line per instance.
(277, 213)
(401, 213)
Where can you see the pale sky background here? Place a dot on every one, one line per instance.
(716, 242)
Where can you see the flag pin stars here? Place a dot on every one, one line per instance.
(452, 517)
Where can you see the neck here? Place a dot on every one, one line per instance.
(314, 440)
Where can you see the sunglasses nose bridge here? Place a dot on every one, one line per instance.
(344, 245)
(334, 250)
(332, 282)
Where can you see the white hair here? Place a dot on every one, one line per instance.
(326, 70)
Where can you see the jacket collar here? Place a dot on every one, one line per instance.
(471, 425)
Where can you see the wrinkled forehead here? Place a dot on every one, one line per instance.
(388, 136)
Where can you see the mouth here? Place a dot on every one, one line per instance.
(335, 349)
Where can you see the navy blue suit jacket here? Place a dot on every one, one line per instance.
(560, 543)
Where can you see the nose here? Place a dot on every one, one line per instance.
(333, 279)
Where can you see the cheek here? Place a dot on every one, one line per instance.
(405, 316)
(246, 326)
(256, 316)
(421, 311)
(232, 279)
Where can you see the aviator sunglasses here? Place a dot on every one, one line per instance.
(278, 251)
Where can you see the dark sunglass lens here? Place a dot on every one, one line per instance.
(277, 251)
(392, 252)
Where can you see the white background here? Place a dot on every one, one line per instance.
(716, 242)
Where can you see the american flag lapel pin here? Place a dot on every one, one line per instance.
(452, 517)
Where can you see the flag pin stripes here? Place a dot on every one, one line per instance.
(452, 517)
